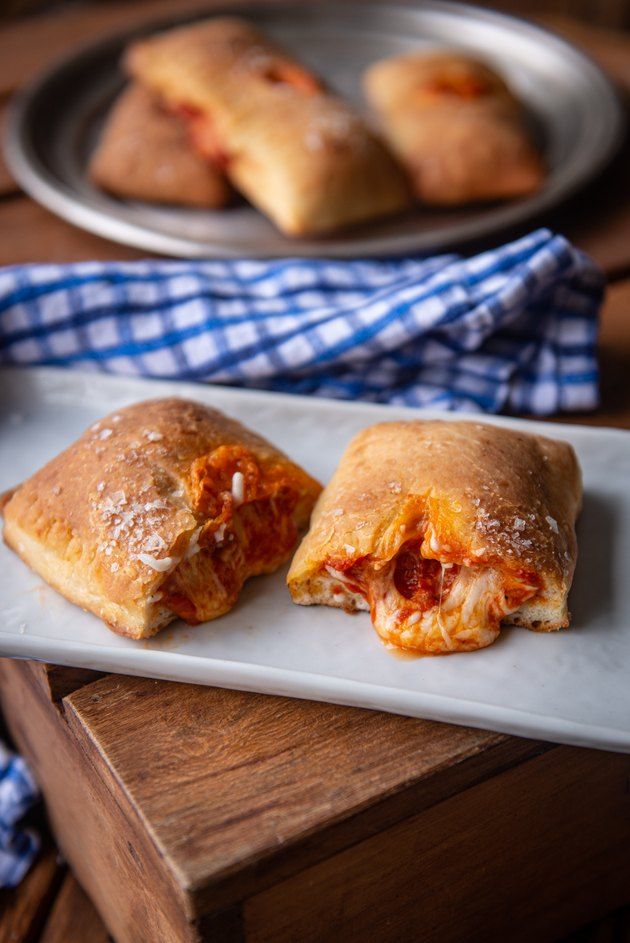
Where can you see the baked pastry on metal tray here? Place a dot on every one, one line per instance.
(144, 154)
(445, 531)
(456, 126)
(160, 510)
(301, 155)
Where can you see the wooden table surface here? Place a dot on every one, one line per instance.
(241, 812)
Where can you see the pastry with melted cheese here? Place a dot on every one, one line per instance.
(457, 127)
(144, 154)
(161, 510)
(445, 531)
(297, 152)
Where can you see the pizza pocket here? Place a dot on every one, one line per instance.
(444, 531)
(144, 154)
(456, 126)
(301, 155)
(160, 510)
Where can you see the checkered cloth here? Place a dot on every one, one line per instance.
(18, 792)
(513, 329)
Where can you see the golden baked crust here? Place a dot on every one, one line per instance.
(301, 155)
(144, 154)
(456, 126)
(454, 526)
(161, 509)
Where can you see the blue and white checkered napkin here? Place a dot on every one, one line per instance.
(513, 329)
(18, 792)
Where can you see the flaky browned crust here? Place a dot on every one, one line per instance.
(144, 154)
(478, 495)
(141, 486)
(458, 148)
(301, 155)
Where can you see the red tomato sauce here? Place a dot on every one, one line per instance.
(460, 87)
(289, 73)
(203, 134)
(420, 580)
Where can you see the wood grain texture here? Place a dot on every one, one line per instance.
(8, 186)
(614, 349)
(244, 789)
(54, 32)
(100, 834)
(609, 48)
(73, 918)
(24, 909)
(614, 928)
(453, 874)
(597, 219)
(57, 681)
(37, 236)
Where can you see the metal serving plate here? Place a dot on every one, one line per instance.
(574, 109)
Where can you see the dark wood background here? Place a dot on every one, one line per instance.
(612, 13)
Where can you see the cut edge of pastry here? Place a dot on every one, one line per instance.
(140, 535)
(195, 569)
(461, 619)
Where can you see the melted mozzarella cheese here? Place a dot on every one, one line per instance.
(466, 617)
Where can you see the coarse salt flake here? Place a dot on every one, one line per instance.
(349, 548)
(153, 542)
(105, 433)
(552, 523)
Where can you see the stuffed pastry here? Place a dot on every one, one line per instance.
(444, 531)
(144, 154)
(160, 510)
(456, 126)
(298, 153)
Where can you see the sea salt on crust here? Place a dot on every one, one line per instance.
(106, 528)
(482, 496)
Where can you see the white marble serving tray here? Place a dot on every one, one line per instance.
(571, 686)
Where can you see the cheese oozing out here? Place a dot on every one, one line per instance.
(206, 584)
(426, 605)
